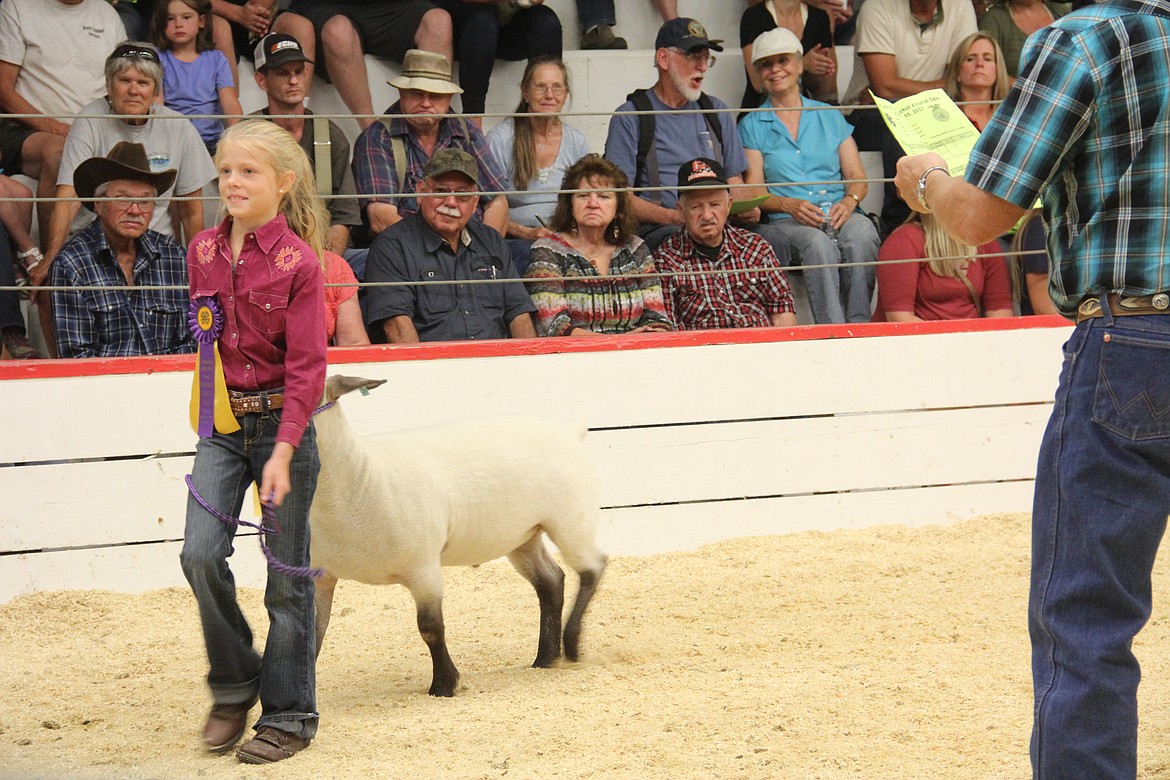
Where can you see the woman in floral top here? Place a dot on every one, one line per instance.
(580, 278)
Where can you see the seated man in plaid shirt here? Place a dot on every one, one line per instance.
(389, 156)
(719, 276)
(117, 250)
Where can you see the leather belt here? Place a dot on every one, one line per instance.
(254, 403)
(1124, 305)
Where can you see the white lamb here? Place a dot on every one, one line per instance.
(397, 507)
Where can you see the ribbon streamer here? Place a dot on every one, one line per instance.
(210, 409)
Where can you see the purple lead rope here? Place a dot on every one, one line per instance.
(269, 524)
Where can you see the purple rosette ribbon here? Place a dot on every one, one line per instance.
(205, 320)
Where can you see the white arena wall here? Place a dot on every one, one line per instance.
(698, 436)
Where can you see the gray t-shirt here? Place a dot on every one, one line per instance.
(171, 141)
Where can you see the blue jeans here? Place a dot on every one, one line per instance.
(841, 277)
(1102, 497)
(591, 13)
(225, 464)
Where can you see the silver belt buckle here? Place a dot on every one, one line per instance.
(1090, 307)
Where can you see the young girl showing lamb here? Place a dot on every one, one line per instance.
(258, 280)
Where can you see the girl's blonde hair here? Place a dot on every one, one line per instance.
(301, 205)
(946, 256)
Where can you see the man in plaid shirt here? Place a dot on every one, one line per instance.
(1087, 128)
(117, 250)
(381, 174)
(719, 276)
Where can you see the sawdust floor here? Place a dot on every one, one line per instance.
(888, 652)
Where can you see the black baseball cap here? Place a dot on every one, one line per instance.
(701, 172)
(276, 49)
(686, 34)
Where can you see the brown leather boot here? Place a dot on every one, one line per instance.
(602, 37)
(269, 746)
(225, 725)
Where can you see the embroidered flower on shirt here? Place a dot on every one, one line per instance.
(287, 258)
(205, 251)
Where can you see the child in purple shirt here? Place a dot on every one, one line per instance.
(196, 77)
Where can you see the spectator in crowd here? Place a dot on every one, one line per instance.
(196, 76)
(647, 145)
(239, 24)
(347, 30)
(119, 250)
(51, 56)
(812, 26)
(1028, 265)
(343, 313)
(594, 245)
(950, 282)
(441, 243)
(535, 152)
(505, 30)
(1010, 22)
(719, 276)
(13, 334)
(389, 156)
(280, 73)
(975, 74)
(788, 148)
(133, 80)
(904, 47)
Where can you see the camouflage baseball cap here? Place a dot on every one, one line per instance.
(452, 160)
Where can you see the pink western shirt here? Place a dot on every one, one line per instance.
(274, 315)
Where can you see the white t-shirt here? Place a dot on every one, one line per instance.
(886, 27)
(170, 143)
(61, 50)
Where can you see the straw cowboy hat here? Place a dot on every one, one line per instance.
(125, 161)
(428, 71)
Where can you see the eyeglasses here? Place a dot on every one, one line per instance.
(551, 89)
(696, 58)
(459, 195)
(124, 205)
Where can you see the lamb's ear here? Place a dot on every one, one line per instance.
(337, 385)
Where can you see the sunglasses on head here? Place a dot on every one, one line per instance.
(129, 50)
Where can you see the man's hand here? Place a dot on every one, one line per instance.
(910, 170)
(840, 11)
(749, 218)
(37, 275)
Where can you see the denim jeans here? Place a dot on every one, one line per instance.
(836, 294)
(225, 464)
(591, 13)
(1102, 497)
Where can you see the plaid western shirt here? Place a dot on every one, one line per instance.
(373, 161)
(746, 287)
(96, 322)
(1087, 127)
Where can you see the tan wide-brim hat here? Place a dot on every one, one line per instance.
(428, 71)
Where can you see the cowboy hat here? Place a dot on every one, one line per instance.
(125, 161)
(428, 71)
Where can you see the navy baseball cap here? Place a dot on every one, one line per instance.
(685, 34)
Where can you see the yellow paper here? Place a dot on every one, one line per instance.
(225, 421)
(931, 122)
